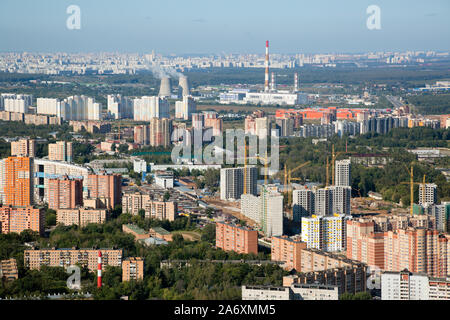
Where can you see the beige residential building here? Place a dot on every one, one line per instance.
(132, 269)
(23, 148)
(35, 258)
(133, 202)
(81, 216)
(60, 151)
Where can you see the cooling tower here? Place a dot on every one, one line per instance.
(184, 85)
(164, 89)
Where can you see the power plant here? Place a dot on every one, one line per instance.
(165, 88)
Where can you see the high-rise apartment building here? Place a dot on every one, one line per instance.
(216, 124)
(326, 233)
(341, 196)
(146, 108)
(133, 269)
(323, 202)
(185, 108)
(60, 151)
(23, 148)
(289, 251)
(18, 181)
(142, 134)
(232, 182)
(106, 187)
(303, 203)
(160, 132)
(198, 121)
(65, 193)
(18, 219)
(236, 238)
(120, 107)
(427, 194)
(71, 108)
(342, 173)
(266, 210)
(36, 258)
(15, 102)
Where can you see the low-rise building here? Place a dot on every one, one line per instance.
(8, 270)
(137, 232)
(81, 216)
(133, 269)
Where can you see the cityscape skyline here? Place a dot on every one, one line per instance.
(214, 28)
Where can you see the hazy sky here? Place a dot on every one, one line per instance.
(231, 26)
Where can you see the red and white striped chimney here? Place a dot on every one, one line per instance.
(266, 79)
(99, 270)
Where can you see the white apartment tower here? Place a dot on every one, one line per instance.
(185, 108)
(342, 173)
(429, 196)
(303, 203)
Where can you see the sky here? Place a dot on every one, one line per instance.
(224, 26)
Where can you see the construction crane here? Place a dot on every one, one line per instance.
(288, 178)
(412, 183)
(266, 170)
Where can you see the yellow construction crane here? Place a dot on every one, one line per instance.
(266, 170)
(288, 178)
(412, 183)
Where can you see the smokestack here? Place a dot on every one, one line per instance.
(99, 270)
(272, 84)
(266, 79)
(296, 82)
(183, 85)
(164, 89)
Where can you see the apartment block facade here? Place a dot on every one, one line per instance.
(287, 250)
(236, 238)
(133, 269)
(18, 219)
(65, 193)
(81, 216)
(36, 258)
(107, 187)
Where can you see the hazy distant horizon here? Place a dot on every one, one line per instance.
(206, 27)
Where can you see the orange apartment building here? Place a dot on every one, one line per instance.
(420, 250)
(319, 113)
(216, 124)
(65, 193)
(289, 251)
(8, 270)
(133, 269)
(364, 244)
(18, 181)
(35, 258)
(236, 238)
(81, 216)
(106, 187)
(18, 219)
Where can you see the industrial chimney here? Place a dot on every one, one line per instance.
(266, 78)
(183, 86)
(164, 89)
(99, 270)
